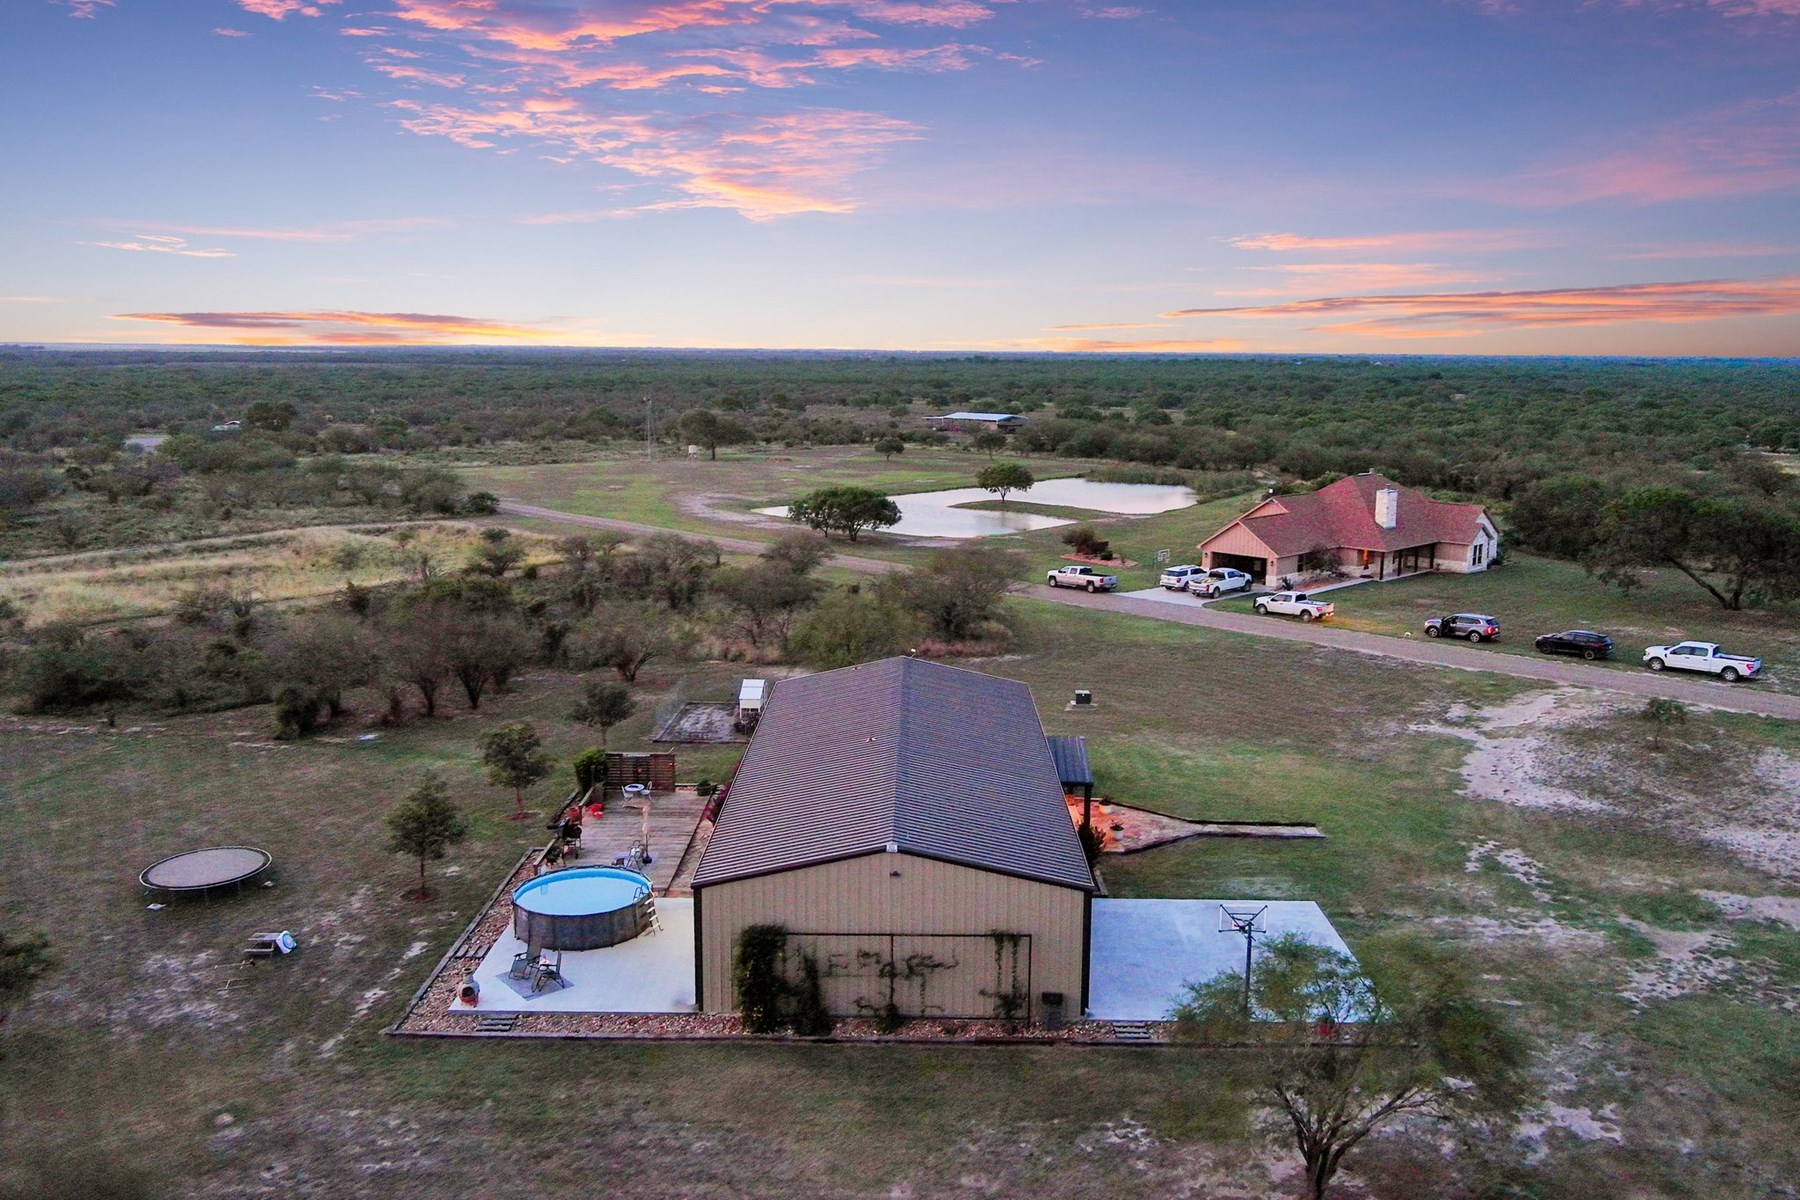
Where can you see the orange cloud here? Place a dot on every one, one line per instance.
(1428, 315)
(343, 328)
(149, 243)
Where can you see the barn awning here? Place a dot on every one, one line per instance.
(1071, 758)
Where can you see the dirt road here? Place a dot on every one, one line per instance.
(1742, 697)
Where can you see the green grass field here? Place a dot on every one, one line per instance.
(135, 1049)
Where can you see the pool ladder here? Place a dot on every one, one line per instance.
(647, 920)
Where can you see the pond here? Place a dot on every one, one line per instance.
(937, 515)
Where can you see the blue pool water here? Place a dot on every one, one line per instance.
(581, 892)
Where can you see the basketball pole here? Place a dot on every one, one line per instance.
(1245, 923)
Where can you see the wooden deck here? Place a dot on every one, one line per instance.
(671, 829)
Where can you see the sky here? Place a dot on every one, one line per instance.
(1268, 176)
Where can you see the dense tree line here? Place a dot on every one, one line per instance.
(1477, 425)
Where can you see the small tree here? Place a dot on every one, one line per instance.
(1341, 1053)
(989, 442)
(426, 825)
(847, 510)
(602, 706)
(710, 430)
(498, 553)
(24, 960)
(1004, 478)
(1663, 714)
(889, 445)
(515, 759)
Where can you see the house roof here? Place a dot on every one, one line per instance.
(1070, 755)
(974, 416)
(934, 760)
(1342, 514)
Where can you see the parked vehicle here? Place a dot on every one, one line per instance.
(1218, 581)
(1294, 604)
(1477, 627)
(1702, 656)
(1585, 642)
(1176, 578)
(1079, 576)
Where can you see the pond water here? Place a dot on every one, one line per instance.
(936, 514)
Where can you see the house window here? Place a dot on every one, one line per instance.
(1480, 552)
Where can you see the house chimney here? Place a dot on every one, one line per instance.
(1387, 508)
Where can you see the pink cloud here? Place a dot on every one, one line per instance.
(1116, 12)
(336, 231)
(1311, 277)
(1742, 150)
(1081, 345)
(1418, 241)
(162, 244)
(87, 10)
(1425, 315)
(761, 165)
(223, 31)
(281, 10)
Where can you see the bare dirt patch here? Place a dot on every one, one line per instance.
(1578, 752)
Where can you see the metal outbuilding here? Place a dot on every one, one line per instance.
(904, 821)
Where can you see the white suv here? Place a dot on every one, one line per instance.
(1176, 578)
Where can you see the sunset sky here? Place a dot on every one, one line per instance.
(1443, 176)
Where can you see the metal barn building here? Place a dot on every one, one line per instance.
(905, 822)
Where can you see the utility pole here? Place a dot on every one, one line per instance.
(649, 429)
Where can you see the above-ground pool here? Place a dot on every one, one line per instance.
(580, 909)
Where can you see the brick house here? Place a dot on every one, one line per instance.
(1369, 524)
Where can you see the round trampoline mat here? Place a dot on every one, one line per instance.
(195, 870)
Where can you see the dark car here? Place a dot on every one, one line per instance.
(1477, 627)
(1585, 642)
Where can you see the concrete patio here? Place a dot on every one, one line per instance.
(1145, 952)
(652, 973)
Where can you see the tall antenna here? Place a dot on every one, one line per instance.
(1249, 923)
(650, 428)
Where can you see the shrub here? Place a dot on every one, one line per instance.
(1084, 540)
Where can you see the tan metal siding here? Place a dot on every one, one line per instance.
(926, 900)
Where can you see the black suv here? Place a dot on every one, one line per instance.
(1477, 627)
(1585, 642)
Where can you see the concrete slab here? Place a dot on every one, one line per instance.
(1185, 599)
(653, 973)
(1146, 952)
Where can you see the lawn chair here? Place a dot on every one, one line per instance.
(545, 973)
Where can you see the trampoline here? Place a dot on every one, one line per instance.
(203, 872)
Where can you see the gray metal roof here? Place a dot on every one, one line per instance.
(979, 416)
(1070, 755)
(938, 761)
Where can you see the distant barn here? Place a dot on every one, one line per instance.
(974, 422)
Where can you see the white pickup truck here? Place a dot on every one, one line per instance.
(1218, 581)
(1081, 577)
(1294, 604)
(1702, 656)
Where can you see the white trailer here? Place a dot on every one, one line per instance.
(751, 694)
